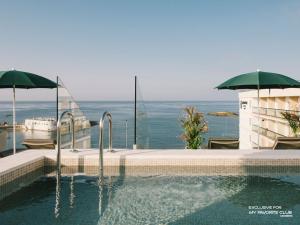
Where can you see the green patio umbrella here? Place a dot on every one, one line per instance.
(259, 80)
(19, 79)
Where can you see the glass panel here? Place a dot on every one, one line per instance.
(266, 132)
(66, 102)
(142, 124)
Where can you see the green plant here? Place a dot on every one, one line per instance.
(194, 125)
(293, 120)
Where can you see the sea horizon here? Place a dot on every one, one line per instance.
(7, 101)
(158, 124)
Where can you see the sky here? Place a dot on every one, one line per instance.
(180, 50)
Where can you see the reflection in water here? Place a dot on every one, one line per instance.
(110, 188)
(105, 194)
(165, 200)
(57, 196)
(263, 191)
(101, 197)
(72, 194)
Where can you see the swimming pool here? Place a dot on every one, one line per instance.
(173, 200)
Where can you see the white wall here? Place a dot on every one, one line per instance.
(247, 117)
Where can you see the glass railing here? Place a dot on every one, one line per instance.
(273, 112)
(142, 124)
(266, 132)
(82, 124)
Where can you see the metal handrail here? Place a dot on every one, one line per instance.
(101, 126)
(58, 126)
(273, 111)
(266, 132)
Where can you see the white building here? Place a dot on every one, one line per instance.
(272, 124)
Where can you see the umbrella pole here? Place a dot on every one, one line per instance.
(258, 139)
(14, 119)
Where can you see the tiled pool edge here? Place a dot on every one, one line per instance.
(177, 162)
(143, 161)
(29, 160)
(13, 167)
(20, 170)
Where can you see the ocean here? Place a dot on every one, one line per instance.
(158, 125)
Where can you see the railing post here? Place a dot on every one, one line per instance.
(73, 132)
(126, 134)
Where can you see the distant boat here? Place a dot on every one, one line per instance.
(41, 124)
(49, 124)
(40, 132)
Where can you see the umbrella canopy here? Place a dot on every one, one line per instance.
(19, 79)
(259, 80)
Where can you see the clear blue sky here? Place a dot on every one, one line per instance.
(179, 49)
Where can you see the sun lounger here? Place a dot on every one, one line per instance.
(287, 143)
(223, 143)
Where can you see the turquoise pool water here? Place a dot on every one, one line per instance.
(172, 200)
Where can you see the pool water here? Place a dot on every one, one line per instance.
(172, 200)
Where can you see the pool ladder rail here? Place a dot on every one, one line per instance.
(101, 142)
(58, 161)
(58, 127)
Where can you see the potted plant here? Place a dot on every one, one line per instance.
(293, 120)
(193, 125)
